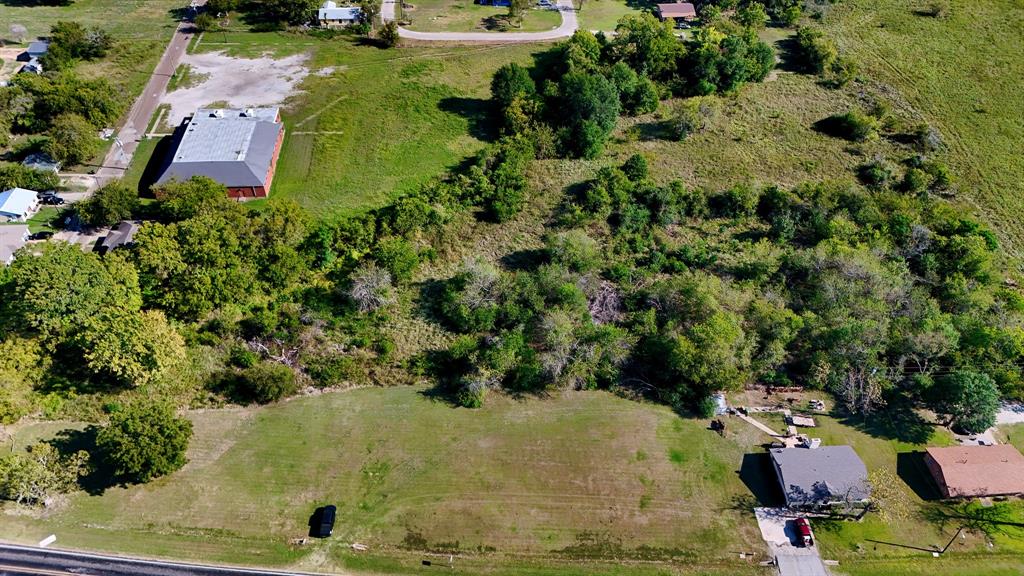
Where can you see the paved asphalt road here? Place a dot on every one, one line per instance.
(27, 560)
(134, 129)
(568, 26)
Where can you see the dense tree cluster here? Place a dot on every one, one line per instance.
(70, 42)
(569, 104)
(39, 473)
(868, 294)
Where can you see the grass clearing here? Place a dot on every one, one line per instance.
(369, 124)
(961, 72)
(554, 480)
(467, 16)
(603, 15)
(42, 221)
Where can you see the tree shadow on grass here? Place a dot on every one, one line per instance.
(524, 260)
(477, 111)
(897, 421)
(100, 476)
(788, 50)
(1000, 518)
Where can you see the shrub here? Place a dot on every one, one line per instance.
(398, 257)
(264, 383)
(388, 34)
(574, 250)
(371, 288)
(915, 180)
(242, 357)
(738, 201)
(813, 52)
(854, 126)
(875, 174)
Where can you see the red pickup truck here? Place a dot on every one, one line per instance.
(803, 532)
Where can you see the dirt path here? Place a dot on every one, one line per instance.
(134, 128)
(566, 29)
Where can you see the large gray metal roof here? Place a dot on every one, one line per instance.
(233, 147)
(821, 475)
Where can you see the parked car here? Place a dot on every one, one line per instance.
(545, 4)
(326, 525)
(803, 532)
(51, 200)
(44, 235)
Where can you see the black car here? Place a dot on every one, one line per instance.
(326, 524)
(44, 235)
(53, 200)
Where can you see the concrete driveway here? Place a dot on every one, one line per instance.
(779, 532)
(568, 26)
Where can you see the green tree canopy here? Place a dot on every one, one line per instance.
(108, 205)
(648, 45)
(145, 440)
(971, 399)
(57, 290)
(72, 139)
(131, 348)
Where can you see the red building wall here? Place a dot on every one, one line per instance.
(246, 192)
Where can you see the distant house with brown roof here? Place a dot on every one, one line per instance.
(677, 11)
(967, 471)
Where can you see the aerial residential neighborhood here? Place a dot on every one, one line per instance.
(531, 287)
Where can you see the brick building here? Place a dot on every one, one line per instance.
(238, 148)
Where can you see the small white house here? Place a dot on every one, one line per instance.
(18, 204)
(330, 15)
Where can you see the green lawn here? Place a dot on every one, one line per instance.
(43, 219)
(1014, 434)
(467, 16)
(130, 20)
(603, 15)
(578, 478)
(373, 123)
(962, 73)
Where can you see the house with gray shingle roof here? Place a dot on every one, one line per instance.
(823, 476)
(238, 148)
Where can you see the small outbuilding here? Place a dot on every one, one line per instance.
(330, 15)
(821, 477)
(42, 162)
(121, 234)
(18, 204)
(677, 11)
(970, 471)
(12, 237)
(36, 49)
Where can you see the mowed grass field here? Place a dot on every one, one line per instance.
(578, 479)
(603, 15)
(467, 16)
(141, 30)
(962, 72)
